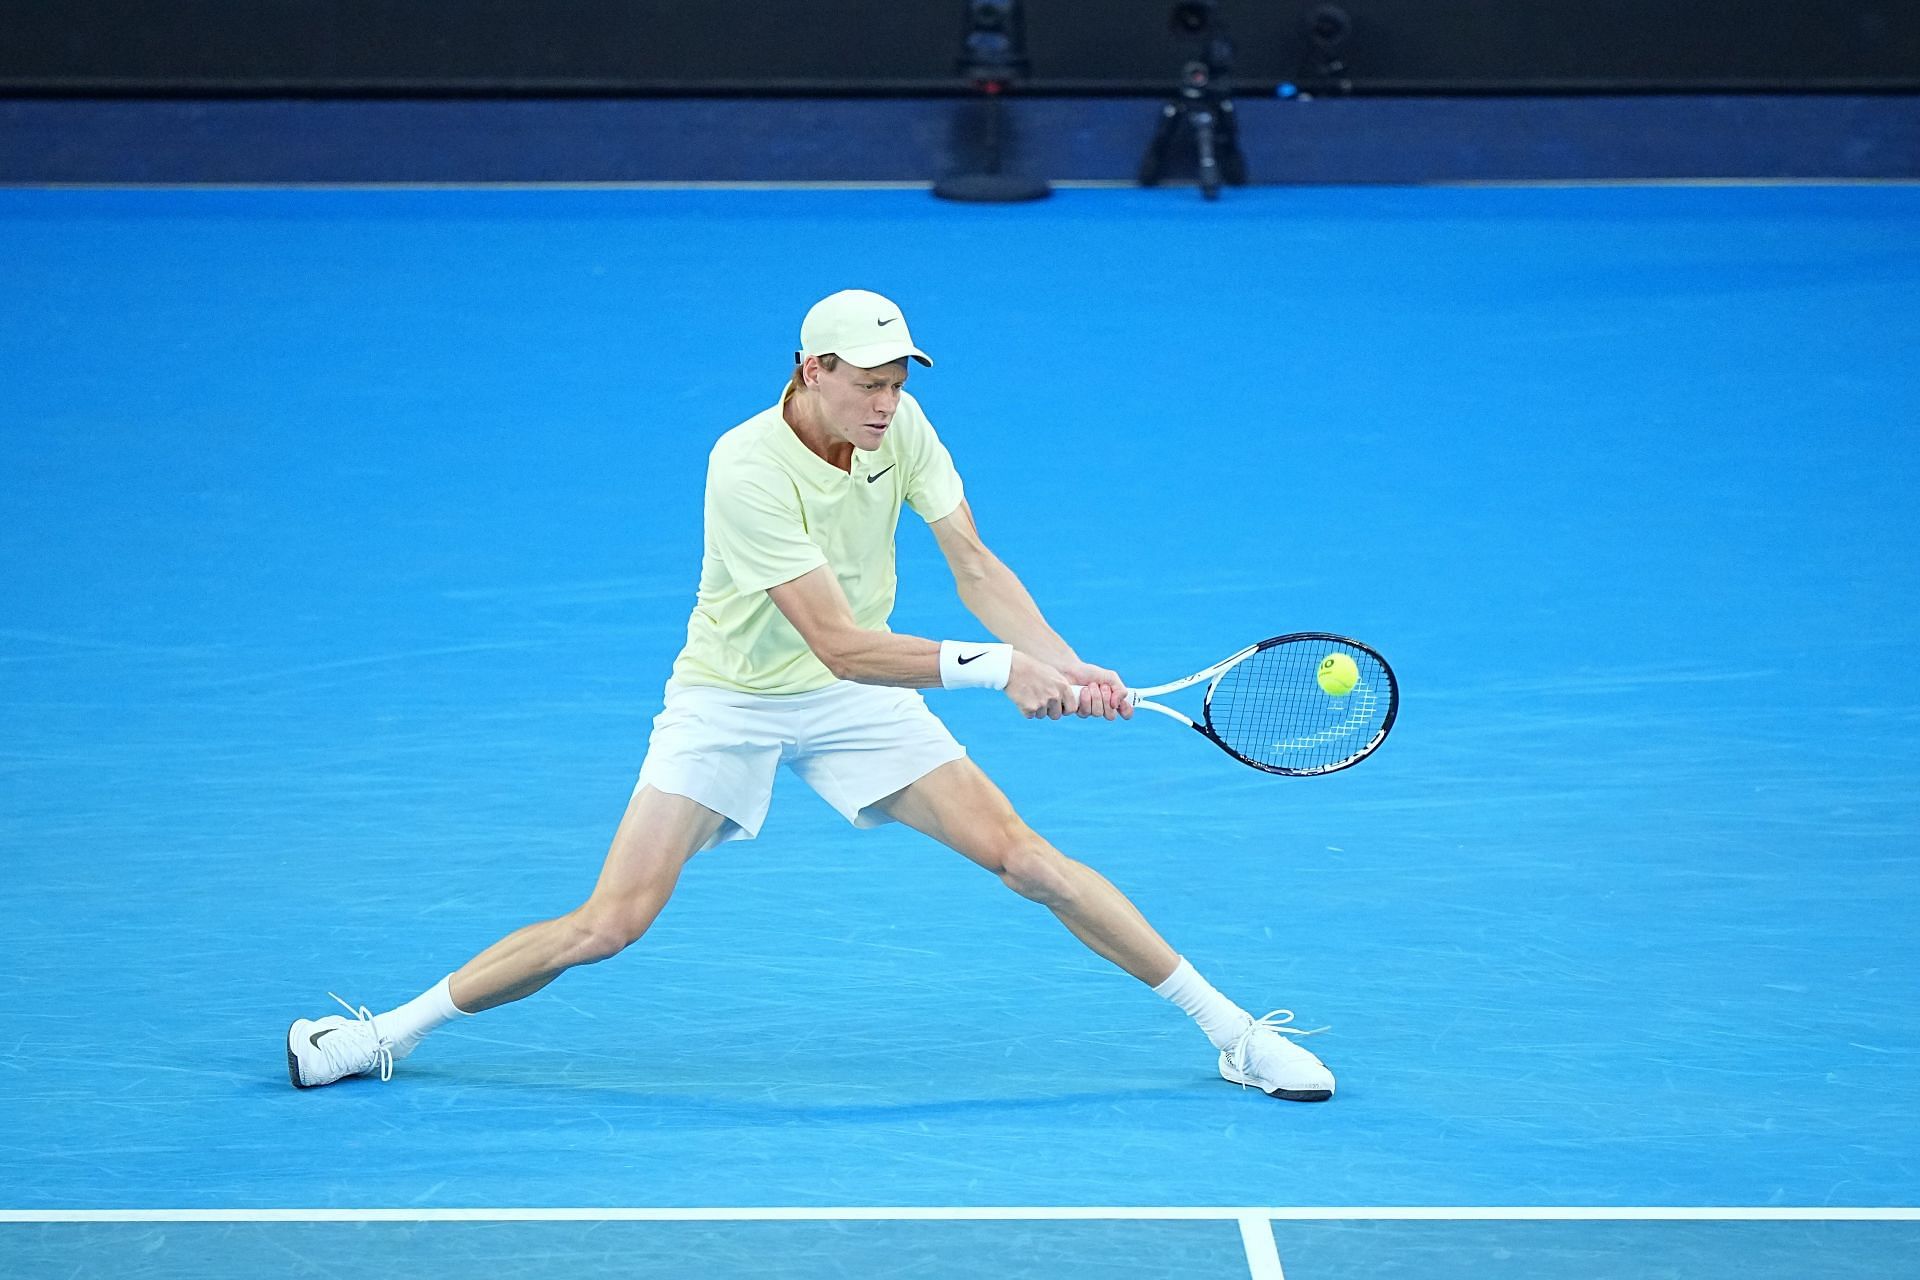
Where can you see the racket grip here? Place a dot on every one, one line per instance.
(1075, 704)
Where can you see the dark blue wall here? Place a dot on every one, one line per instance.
(663, 140)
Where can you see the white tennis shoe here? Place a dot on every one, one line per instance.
(1264, 1058)
(322, 1050)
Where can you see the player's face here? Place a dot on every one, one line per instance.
(860, 403)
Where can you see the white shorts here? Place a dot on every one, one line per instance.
(852, 743)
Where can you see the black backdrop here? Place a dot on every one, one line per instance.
(376, 47)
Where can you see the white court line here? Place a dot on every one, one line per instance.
(1263, 1257)
(964, 1213)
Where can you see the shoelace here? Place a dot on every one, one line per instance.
(382, 1047)
(1275, 1020)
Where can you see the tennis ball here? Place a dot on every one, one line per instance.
(1337, 675)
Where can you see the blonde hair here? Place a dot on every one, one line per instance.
(829, 362)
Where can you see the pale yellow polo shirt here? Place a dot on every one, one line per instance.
(776, 510)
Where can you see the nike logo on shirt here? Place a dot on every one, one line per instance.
(882, 471)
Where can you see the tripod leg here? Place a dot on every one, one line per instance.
(996, 130)
(1233, 161)
(1203, 140)
(1155, 161)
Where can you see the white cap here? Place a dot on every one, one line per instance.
(864, 329)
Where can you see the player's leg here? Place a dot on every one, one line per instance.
(708, 777)
(958, 805)
(656, 837)
(658, 834)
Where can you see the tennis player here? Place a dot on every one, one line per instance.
(789, 661)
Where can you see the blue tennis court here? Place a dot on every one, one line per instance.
(348, 536)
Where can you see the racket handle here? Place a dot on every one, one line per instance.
(1075, 704)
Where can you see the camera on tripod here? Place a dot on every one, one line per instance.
(994, 44)
(1204, 104)
(1197, 18)
(993, 56)
(1329, 27)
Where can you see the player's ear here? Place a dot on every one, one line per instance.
(818, 367)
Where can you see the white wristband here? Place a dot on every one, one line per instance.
(975, 666)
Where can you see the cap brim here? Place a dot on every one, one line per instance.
(876, 354)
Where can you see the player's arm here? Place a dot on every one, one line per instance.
(994, 594)
(818, 610)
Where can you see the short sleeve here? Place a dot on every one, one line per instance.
(933, 486)
(759, 531)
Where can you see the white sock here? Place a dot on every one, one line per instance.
(408, 1025)
(1219, 1017)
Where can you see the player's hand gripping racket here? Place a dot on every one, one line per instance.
(1285, 704)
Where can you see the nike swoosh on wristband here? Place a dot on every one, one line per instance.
(882, 471)
(314, 1039)
(964, 661)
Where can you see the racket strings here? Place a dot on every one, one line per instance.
(1270, 708)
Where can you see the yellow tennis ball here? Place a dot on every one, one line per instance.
(1337, 675)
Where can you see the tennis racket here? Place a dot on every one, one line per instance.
(1264, 706)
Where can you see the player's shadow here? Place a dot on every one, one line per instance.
(682, 1093)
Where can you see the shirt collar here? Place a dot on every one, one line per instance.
(864, 463)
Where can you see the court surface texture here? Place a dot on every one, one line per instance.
(348, 536)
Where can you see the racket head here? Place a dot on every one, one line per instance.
(1267, 709)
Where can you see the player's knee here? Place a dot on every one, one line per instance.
(1034, 869)
(602, 932)
(595, 940)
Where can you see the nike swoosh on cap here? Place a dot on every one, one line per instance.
(885, 323)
